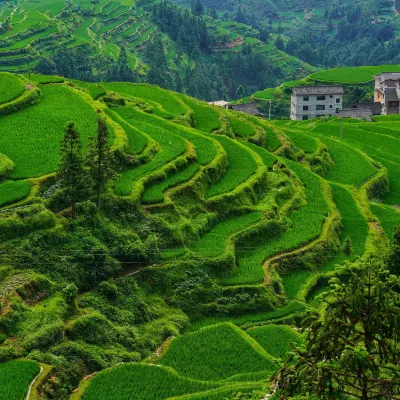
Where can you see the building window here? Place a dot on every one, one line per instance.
(331, 106)
(337, 101)
(306, 98)
(305, 117)
(305, 108)
(320, 107)
(320, 98)
(331, 96)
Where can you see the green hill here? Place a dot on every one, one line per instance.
(212, 240)
(83, 39)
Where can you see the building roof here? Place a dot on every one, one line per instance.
(363, 113)
(318, 90)
(385, 76)
(219, 103)
(391, 94)
(250, 108)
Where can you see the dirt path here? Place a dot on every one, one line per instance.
(28, 395)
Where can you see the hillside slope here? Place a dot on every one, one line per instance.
(215, 224)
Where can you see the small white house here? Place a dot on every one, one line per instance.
(219, 103)
(309, 102)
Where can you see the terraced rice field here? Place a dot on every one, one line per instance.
(225, 347)
(37, 131)
(236, 259)
(10, 87)
(242, 166)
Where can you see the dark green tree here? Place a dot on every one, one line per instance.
(351, 349)
(394, 254)
(198, 8)
(100, 159)
(240, 92)
(279, 43)
(71, 172)
(347, 247)
(240, 17)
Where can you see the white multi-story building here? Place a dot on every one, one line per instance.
(316, 101)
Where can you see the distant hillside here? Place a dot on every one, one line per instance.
(165, 45)
(326, 33)
(358, 82)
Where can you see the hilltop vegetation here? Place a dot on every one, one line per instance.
(144, 40)
(213, 238)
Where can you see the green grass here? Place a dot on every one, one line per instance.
(172, 146)
(216, 352)
(155, 192)
(141, 382)
(31, 137)
(10, 87)
(305, 226)
(276, 339)
(213, 243)
(153, 93)
(389, 218)
(15, 378)
(240, 128)
(13, 191)
(242, 166)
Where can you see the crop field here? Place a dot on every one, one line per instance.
(245, 271)
(352, 74)
(389, 218)
(242, 165)
(31, 137)
(241, 129)
(15, 377)
(345, 157)
(276, 339)
(354, 224)
(13, 191)
(213, 242)
(172, 146)
(141, 382)
(153, 93)
(206, 118)
(268, 158)
(306, 225)
(227, 349)
(10, 87)
(205, 147)
(304, 142)
(155, 192)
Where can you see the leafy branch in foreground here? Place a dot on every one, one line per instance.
(352, 349)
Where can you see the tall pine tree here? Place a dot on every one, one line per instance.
(71, 172)
(100, 159)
